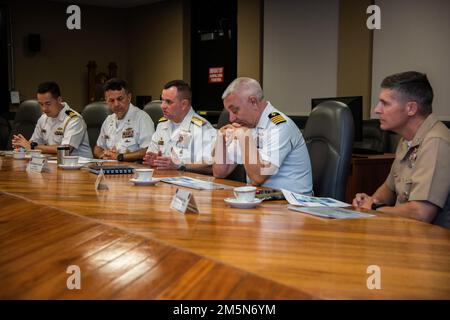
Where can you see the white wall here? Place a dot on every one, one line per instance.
(414, 35)
(300, 52)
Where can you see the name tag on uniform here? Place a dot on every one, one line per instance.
(183, 201)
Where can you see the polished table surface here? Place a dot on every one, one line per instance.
(128, 243)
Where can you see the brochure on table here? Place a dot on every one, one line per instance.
(193, 183)
(298, 199)
(331, 212)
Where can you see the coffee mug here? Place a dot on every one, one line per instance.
(19, 154)
(245, 194)
(70, 160)
(34, 153)
(144, 174)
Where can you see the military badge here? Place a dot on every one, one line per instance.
(71, 113)
(197, 121)
(413, 157)
(276, 118)
(59, 131)
(128, 133)
(184, 138)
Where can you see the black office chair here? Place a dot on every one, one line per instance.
(153, 108)
(238, 174)
(94, 114)
(5, 131)
(25, 120)
(329, 137)
(224, 118)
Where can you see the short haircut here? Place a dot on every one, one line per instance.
(248, 85)
(115, 84)
(413, 86)
(49, 86)
(183, 89)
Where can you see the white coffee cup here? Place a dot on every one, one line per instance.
(70, 160)
(19, 154)
(245, 194)
(144, 174)
(34, 153)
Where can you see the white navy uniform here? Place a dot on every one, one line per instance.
(190, 141)
(129, 134)
(280, 142)
(68, 128)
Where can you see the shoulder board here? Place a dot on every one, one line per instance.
(276, 118)
(71, 113)
(199, 122)
(163, 119)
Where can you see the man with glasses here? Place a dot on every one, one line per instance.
(183, 140)
(125, 134)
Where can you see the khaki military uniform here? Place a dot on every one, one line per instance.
(188, 142)
(421, 169)
(68, 128)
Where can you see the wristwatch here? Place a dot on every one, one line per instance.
(120, 157)
(375, 206)
(33, 145)
(182, 167)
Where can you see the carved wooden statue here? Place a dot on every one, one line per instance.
(97, 80)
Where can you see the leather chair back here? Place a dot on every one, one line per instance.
(94, 114)
(224, 118)
(25, 120)
(329, 136)
(153, 108)
(5, 131)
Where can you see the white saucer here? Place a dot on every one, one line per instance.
(234, 203)
(70, 167)
(144, 183)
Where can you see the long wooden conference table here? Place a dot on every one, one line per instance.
(129, 244)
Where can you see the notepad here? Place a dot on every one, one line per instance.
(111, 169)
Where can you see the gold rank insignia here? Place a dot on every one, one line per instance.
(71, 113)
(161, 142)
(59, 131)
(128, 133)
(276, 118)
(162, 119)
(197, 121)
(413, 156)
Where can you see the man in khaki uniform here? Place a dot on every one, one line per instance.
(419, 182)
